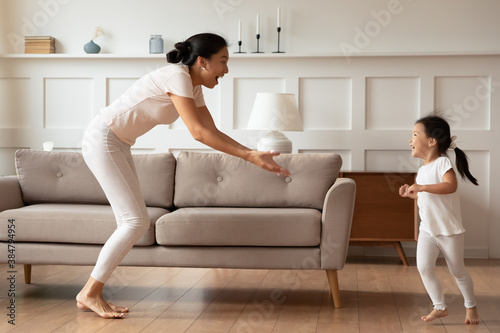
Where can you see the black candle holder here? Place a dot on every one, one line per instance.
(279, 30)
(258, 38)
(239, 47)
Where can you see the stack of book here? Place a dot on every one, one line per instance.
(39, 44)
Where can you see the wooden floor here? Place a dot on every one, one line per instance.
(378, 294)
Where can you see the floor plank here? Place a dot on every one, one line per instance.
(264, 307)
(185, 311)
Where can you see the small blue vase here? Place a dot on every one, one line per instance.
(91, 47)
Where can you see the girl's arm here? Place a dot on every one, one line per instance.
(448, 186)
(200, 124)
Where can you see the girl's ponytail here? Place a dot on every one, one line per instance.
(463, 165)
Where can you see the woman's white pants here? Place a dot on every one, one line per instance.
(110, 160)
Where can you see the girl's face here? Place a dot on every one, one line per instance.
(421, 145)
(215, 68)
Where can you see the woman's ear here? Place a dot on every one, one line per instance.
(202, 62)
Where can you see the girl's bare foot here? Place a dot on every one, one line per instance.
(435, 314)
(90, 298)
(471, 316)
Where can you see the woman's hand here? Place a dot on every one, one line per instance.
(265, 161)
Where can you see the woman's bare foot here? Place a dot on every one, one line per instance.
(90, 298)
(435, 314)
(115, 308)
(471, 316)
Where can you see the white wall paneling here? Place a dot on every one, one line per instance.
(328, 102)
(68, 102)
(474, 201)
(14, 110)
(392, 102)
(117, 86)
(395, 160)
(7, 166)
(466, 100)
(363, 109)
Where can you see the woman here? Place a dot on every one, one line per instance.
(159, 97)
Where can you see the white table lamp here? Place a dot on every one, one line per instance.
(275, 112)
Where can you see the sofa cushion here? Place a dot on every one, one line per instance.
(69, 223)
(219, 226)
(212, 179)
(63, 177)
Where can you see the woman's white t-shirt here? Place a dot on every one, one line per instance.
(147, 103)
(439, 213)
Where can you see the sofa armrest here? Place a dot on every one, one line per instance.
(10, 193)
(336, 223)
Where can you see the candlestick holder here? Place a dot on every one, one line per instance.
(258, 38)
(239, 47)
(279, 31)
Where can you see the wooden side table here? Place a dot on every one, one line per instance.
(381, 216)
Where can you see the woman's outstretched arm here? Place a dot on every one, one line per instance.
(202, 128)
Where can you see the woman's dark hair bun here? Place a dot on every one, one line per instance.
(176, 55)
(204, 45)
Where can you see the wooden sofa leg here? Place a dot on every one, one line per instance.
(27, 274)
(333, 281)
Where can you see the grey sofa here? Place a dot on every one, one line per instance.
(206, 210)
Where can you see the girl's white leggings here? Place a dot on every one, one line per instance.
(110, 160)
(452, 248)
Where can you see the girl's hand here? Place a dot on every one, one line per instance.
(265, 161)
(415, 188)
(403, 190)
(407, 191)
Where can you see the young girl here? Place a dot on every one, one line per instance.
(159, 97)
(441, 227)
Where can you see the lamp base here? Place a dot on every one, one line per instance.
(275, 141)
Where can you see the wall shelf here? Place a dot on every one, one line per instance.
(249, 55)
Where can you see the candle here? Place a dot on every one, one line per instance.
(279, 17)
(239, 31)
(257, 25)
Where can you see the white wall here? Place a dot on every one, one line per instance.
(367, 120)
(308, 26)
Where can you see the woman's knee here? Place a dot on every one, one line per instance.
(139, 225)
(143, 225)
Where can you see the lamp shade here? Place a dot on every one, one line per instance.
(275, 112)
